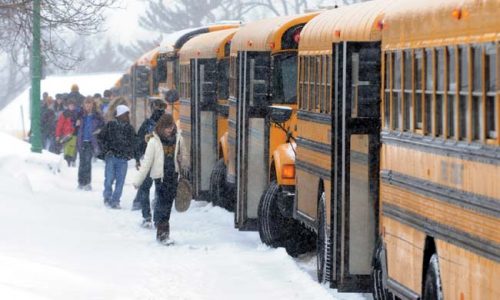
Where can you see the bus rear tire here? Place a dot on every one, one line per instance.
(323, 243)
(380, 291)
(432, 285)
(217, 184)
(271, 224)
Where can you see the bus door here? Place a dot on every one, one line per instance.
(356, 128)
(251, 132)
(203, 124)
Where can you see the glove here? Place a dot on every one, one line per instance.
(137, 165)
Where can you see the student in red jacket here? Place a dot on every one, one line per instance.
(65, 132)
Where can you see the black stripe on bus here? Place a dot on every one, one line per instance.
(482, 247)
(314, 117)
(478, 203)
(313, 145)
(463, 150)
(312, 169)
(223, 109)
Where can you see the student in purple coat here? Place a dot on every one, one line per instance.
(91, 122)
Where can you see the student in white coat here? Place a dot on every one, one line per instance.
(165, 154)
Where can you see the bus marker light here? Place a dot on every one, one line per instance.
(337, 33)
(457, 13)
(296, 37)
(380, 25)
(288, 171)
(272, 45)
(250, 43)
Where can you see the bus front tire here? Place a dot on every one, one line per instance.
(271, 223)
(322, 243)
(432, 285)
(380, 291)
(217, 184)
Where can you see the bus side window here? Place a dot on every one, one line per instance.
(307, 87)
(396, 91)
(328, 84)
(429, 90)
(477, 93)
(354, 85)
(452, 91)
(323, 99)
(439, 105)
(464, 91)
(418, 75)
(491, 91)
(387, 90)
(317, 85)
(408, 91)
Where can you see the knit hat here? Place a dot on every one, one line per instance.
(121, 109)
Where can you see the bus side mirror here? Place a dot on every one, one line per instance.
(171, 96)
(279, 114)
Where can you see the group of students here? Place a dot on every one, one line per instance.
(93, 127)
(70, 125)
(161, 145)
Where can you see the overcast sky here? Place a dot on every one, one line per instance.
(122, 22)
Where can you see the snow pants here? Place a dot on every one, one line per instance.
(85, 165)
(165, 195)
(115, 169)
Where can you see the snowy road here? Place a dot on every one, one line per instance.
(61, 243)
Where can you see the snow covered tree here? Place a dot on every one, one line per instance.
(106, 59)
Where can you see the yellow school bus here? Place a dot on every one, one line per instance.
(262, 123)
(141, 86)
(440, 156)
(203, 90)
(343, 42)
(167, 73)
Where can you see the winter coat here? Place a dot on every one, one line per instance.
(97, 124)
(66, 124)
(47, 122)
(77, 97)
(146, 129)
(118, 139)
(154, 158)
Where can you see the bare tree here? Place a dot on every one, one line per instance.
(59, 19)
(180, 14)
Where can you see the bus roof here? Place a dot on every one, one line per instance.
(208, 45)
(147, 59)
(356, 22)
(412, 24)
(176, 40)
(265, 35)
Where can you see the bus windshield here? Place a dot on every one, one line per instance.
(285, 78)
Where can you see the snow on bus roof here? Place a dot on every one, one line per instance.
(208, 45)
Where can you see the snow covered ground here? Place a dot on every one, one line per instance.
(61, 243)
(57, 242)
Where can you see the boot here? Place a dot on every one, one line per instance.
(163, 232)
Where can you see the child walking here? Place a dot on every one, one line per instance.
(165, 154)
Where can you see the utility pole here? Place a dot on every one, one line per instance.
(36, 75)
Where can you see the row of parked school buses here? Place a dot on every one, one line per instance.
(369, 132)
